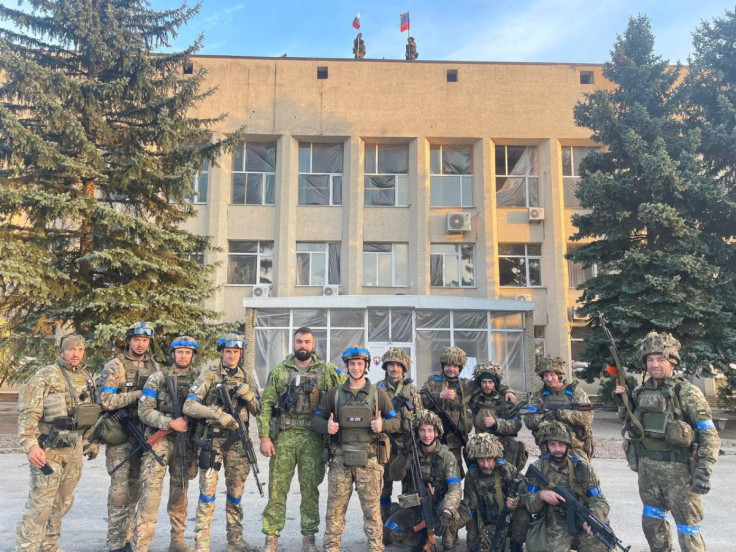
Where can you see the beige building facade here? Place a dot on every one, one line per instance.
(393, 203)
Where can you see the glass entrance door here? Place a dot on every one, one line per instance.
(377, 348)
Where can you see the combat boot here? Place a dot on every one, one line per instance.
(126, 548)
(240, 545)
(178, 544)
(308, 544)
(272, 544)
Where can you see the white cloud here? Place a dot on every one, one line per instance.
(222, 16)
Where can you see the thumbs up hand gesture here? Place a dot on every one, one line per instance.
(377, 424)
(332, 426)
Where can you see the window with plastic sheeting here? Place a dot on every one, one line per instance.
(470, 319)
(507, 321)
(312, 318)
(429, 345)
(341, 340)
(317, 264)
(386, 175)
(452, 265)
(433, 319)
(254, 173)
(249, 262)
(571, 159)
(271, 347)
(386, 264)
(475, 344)
(451, 178)
(347, 318)
(200, 184)
(390, 324)
(508, 350)
(273, 318)
(320, 173)
(517, 180)
(520, 265)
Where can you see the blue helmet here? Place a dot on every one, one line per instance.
(184, 342)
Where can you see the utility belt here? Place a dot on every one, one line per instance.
(59, 436)
(677, 454)
(217, 432)
(289, 422)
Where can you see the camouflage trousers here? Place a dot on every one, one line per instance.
(125, 490)
(517, 531)
(367, 481)
(295, 448)
(560, 540)
(49, 499)
(666, 486)
(152, 479)
(236, 466)
(400, 528)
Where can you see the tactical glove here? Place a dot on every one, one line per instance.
(701, 481)
(551, 415)
(90, 450)
(227, 421)
(442, 524)
(244, 392)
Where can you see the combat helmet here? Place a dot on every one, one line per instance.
(140, 329)
(184, 342)
(454, 356)
(662, 343)
(356, 352)
(231, 341)
(490, 369)
(394, 354)
(484, 445)
(553, 431)
(427, 417)
(550, 364)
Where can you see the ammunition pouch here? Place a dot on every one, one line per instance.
(409, 500)
(383, 448)
(86, 414)
(112, 431)
(273, 428)
(208, 457)
(59, 436)
(679, 433)
(355, 454)
(355, 416)
(655, 424)
(631, 456)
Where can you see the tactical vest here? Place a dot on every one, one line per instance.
(433, 472)
(231, 382)
(491, 492)
(136, 374)
(300, 398)
(184, 381)
(455, 409)
(656, 408)
(354, 414)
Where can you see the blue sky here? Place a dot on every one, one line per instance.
(471, 30)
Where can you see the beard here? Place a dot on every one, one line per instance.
(302, 354)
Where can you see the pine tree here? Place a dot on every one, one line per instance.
(98, 151)
(650, 226)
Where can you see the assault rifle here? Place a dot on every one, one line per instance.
(445, 417)
(580, 407)
(132, 428)
(503, 523)
(425, 496)
(578, 513)
(180, 443)
(241, 433)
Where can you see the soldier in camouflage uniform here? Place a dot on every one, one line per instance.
(292, 393)
(156, 410)
(554, 391)
(405, 398)
(489, 483)
(411, 49)
(120, 383)
(439, 469)
(353, 413)
(452, 394)
(675, 456)
(55, 413)
(359, 47)
(570, 472)
(221, 441)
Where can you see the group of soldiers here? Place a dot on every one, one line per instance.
(359, 48)
(313, 414)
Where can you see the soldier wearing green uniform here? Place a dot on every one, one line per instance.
(156, 410)
(675, 456)
(405, 398)
(488, 488)
(556, 392)
(439, 469)
(55, 413)
(293, 391)
(121, 383)
(354, 414)
(573, 473)
(220, 441)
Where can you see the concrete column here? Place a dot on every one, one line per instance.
(287, 197)
(216, 213)
(352, 220)
(419, 198)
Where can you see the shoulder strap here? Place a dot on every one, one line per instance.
(72, 392)
(499, 491)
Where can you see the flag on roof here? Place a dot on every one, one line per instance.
(404, 22)
(356, 22)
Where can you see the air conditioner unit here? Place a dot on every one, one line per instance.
(261, 290)
(523, 297)
(536, 214)
(458, 222)
(329, 291)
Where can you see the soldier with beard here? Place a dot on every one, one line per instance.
(293, 391)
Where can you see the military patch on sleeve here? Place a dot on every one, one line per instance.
(702, 412)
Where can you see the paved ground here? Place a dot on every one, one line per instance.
(85, 526)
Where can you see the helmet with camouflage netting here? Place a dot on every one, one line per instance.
(454, 356)
(484, 445)
(553, 431)
(660, 343)
(427, 417)
(490, 369)
(394, 354)
(550, 364)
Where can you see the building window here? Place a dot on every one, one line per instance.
(254, 174)
(320, 174)
(385, 264)
(571, 158)
(452, 75)
(539, 342)
(520, 265)
(586, 77)
(317, 264)
(249, 262)
(577, 275)
(386, 175)
(200, 184)
(322, 73)
(452, 265)
(451, 179)
(517, 182)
